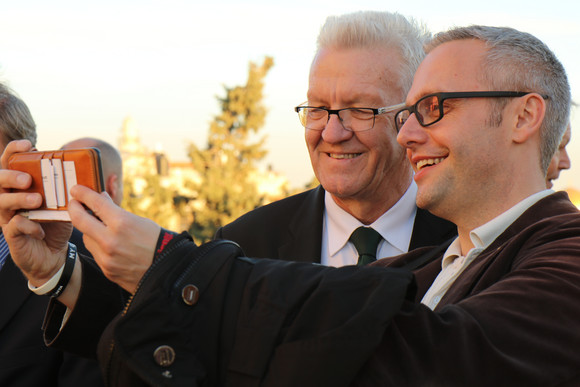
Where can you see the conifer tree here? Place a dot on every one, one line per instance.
(233, 150)
(152, 201)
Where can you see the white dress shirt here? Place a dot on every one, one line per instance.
(454, 263)
(395, 226)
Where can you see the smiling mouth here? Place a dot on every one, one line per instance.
(341, 156)
(429, 162)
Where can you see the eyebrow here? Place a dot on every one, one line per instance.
(352, 104)
(352, 98)
(424, 94)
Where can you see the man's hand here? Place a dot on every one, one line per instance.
(38, 249)
(123, 244)
(11, 202)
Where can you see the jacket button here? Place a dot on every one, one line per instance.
(164, 355)
(190, 294)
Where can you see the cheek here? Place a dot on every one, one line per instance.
(312, 138)
(389, 147)
(553, 167)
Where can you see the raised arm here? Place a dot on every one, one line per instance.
(38, 249)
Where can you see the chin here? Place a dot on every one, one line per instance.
(338, 185)
(340, 192)
(431, 201)
(423, 202)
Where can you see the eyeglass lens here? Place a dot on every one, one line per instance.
(355, 119)
(427, 111)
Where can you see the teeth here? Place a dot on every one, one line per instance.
(343, 155)
(426, 162)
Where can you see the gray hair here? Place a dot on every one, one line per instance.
(372, 29)
(16, 122)
(518, 61)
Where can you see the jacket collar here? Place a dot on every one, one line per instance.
(304, 239)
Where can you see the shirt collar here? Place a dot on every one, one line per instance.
(452, 252)
(485, 234)
(393, 225)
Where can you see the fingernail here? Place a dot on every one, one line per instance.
(32, 199)
(22, 179)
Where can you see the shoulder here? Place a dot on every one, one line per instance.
(547, 234)
(278, 213)
(311, 197)
(553, 216)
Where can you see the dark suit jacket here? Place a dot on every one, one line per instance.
(25, 360)
(291, 229)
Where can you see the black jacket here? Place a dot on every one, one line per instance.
(203, 342)
(25, 360)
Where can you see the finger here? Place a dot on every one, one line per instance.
(12, 179)
(20, 200)
(101, 204)
(11, 202)
(14, 147)
(85, 222)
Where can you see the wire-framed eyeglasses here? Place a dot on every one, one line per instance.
(429, 109)
(355, 119)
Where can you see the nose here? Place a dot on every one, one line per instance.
(564, 162)
(334, 131)
(411, 133)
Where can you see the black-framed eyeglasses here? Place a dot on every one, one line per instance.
(429, 109)
(355, 119)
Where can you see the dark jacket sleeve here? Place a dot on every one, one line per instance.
(98, 303)
(223, 320)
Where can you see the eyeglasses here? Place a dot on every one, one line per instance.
(429, 109)
(354, 119)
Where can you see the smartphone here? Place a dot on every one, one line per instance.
(53, 174)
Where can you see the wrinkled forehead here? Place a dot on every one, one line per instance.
(356, 71)
(451, 66)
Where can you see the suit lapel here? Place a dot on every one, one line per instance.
(429, 230)
(13, 291)
(304, 238)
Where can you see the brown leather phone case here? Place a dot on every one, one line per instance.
(54, 173)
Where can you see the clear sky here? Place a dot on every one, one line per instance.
(84, 66)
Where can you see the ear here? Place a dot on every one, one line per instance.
(111, 186)
(530, 111)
